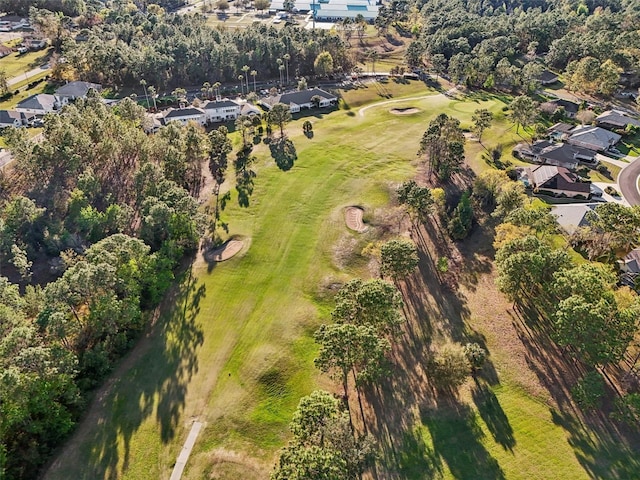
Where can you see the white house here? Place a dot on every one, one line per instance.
(184, 115)
(74, 90)
(12, 118)
(303, 99)
(41, 104)
(221, 110)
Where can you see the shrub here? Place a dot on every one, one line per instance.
(476, 355)
(589, 390)
(450, 367)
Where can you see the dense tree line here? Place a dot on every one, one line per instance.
(484, 43)
(177, 50)
(70, 8)
(115, 209)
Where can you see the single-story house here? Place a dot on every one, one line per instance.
(570, 108)
(41, 104)
(556, 181)
(571, 217)
(184, 115)
(616, 119)
(74, 90)
(547, 77)
(221, 110)
(593, 138)
(4, 51)
(560, 130)
(300, 100)
(631, 263)
(13, 118)
(35, 42)
(558, 154)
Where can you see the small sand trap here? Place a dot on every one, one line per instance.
(353, 219)
(225, 252)
(404, 111)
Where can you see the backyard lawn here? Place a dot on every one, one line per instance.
(233, 348)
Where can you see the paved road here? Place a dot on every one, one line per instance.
(24, 76)
(628, 181)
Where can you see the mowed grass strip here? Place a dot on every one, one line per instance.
(236, 351)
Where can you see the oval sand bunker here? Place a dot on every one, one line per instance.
(353, 219)
(225, 252)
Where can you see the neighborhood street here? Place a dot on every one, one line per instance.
(27, 75)
(628, 182)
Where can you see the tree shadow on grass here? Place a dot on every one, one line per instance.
(153, 379)
(457, 440)
(493, 415)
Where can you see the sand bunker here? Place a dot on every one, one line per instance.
(404, 111)
(226, 251)
(353, 219)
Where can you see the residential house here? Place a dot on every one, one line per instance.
(555, 181)
(75, 90)
(616, 119)
(184, 115)
(571, 217)
(570, 108)
(250, 110)
(560, 131)
(548, 78)
(593, 138)
(40, 104)
(13, 118)
(630, 268)
(221, 110)
(34, 42)
(4, 51)
(303, 99)
(558, 154)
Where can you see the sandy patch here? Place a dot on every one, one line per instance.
(225, 252)
(404, 111)
(353, 219)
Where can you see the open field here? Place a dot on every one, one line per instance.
(234, 349)
(17, 64)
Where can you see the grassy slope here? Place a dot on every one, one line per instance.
(238, 355)
(17, 64)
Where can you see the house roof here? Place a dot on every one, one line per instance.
(557, 178)
(183, 112)
(594, 136)
(214, 104)
(565, 153)
(560, 128)
(300, 97)
(5, 50)
(617, 118)
(547, 76)
(42, 101)
(249, 109)
(569, 106)
(632, 261)
(77, 89)
(9, 116)
(571, 217)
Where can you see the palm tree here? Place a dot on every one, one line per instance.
(281, 68)
(287, 57)
(206, 89)
(253, 74)
(143, 82)
(181, 93)
(245, 69)
(152, 92)
(279, 62)
(241, 78)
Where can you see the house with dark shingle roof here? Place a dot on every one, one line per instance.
(558, 154)
(616, 119)
(13, 118)
(184, 116)
(556, 181)
(300, 100)
(40, 104)
(547, 77)
(593, 138)
(74, 90)
(570, 108)
(221, 110)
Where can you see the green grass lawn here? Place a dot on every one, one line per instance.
(236, 351)
(17, 64)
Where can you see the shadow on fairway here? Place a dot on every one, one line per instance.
(155, 385)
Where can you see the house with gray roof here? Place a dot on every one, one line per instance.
(593, 138)
(184, 116)
(13, 118)
(74, 90)
(570, 108)
(547, 77)
(221, 110)
(616, 119)
(303, 99)
(571, 217)
(41, 104)
(557, 154)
